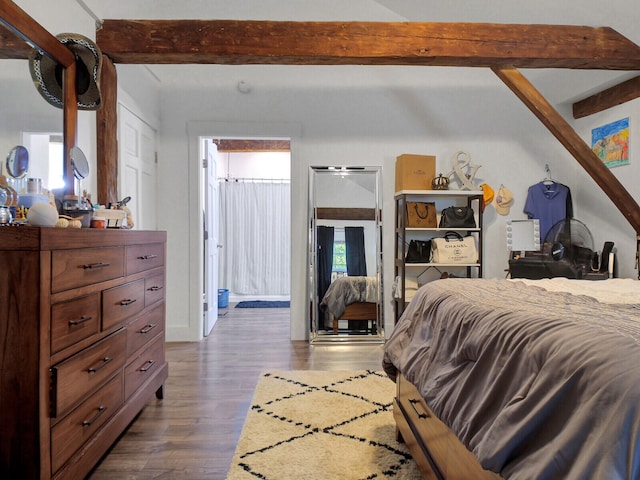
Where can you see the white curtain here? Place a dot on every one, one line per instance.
(255, 233)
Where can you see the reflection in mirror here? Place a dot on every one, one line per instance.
(18, 162)
(47, 158)
(29, 121)
(345, 254)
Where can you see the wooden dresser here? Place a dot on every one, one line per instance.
(82, 319)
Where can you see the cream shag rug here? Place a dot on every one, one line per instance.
(321, 425)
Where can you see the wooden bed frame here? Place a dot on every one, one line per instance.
(434, 447)
(357, 311)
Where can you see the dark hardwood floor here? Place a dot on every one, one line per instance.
(192, 433)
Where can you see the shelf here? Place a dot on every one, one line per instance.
(446, 229)
(424, 265)
(442, 199)
(441, 193)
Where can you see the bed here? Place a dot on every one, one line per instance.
(351, 298)
(520, 378)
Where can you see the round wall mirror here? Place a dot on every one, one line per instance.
(18, 162)
(79, 163)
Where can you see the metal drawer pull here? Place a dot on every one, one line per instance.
(147, 257)
(147, 365)
(148, 328)
(95, 265)
(83, 318)
(128, 301)
(413, 402)
(155, 288)
(101, 410)
(102, 363)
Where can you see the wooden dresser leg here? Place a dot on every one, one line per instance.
(160, 392)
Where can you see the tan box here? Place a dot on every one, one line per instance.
(415, 172)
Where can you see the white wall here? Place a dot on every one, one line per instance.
(272, 165)
(593, 206)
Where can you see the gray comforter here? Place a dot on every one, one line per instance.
(539, 385)
(347, 290)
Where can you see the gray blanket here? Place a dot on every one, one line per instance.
(347, 290)
(539, 385)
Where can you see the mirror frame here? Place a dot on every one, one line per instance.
(313, 312)
(34, 34)
(15, 157)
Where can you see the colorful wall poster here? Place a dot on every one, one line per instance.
(611, 143)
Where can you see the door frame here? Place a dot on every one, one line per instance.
(197, 130)
(211, 222)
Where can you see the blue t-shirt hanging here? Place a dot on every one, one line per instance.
(550, 203)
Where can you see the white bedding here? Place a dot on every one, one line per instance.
(614, 290)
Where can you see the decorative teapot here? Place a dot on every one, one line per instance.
(440, 183)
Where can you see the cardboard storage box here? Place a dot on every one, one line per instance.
(415, 172)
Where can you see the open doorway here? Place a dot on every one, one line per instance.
(253, 235)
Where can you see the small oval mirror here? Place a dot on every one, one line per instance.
(18, 162)
(79, 163)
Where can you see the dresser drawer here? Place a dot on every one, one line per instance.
(153, 289)
(68, 435)
(85, 371)
(144, 366)
(144, 257)
(74, 320)
(122, 302)
(142, 330)
(85, 266)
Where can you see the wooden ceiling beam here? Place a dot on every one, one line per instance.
(235, 42)
(568, 137)
(616, 95)
(250, 145)
(12, 46)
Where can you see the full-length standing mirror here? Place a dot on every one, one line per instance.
(345, 254)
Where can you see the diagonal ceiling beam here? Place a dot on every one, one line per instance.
(12, 46)
(20, 25)
(561, 129)
(366, 43)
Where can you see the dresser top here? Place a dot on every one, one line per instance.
(51, 238)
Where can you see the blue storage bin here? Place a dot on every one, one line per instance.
(223, 298)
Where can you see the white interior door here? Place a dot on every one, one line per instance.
(211, 220)
(138, 168)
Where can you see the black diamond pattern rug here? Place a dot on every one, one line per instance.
(321, 425)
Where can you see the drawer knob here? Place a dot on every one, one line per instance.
(83, 318)
(88, 266)
(148, 328)
(147, 257)
(126, 302)
(100, 365)
(101, 410)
